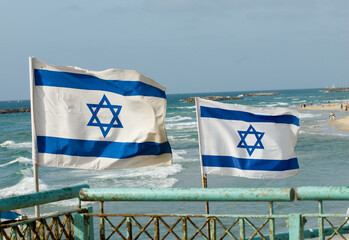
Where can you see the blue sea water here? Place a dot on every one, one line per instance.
(322, 153)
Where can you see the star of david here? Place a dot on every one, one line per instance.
(250, 148)
(95, 122)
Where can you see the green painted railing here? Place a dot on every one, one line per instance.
(53, 226)
(77, 223)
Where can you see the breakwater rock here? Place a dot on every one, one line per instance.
(20, 110)
(260, 94)
(213, 98)
(345, 89)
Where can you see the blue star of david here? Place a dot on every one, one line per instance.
(250, 148)
(95, 122)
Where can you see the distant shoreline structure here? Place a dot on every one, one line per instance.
(227, 98)
(19, 110)
(343, 89)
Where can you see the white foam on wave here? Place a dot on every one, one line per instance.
(308, 115)
(181, 125)
(180, 156)
(12, 144)
(188, 107)
(276, 104)
(25, 186)
(19, 159)
(178, 119)
(176, 154)
(138, 177)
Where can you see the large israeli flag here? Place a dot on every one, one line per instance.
(97, 119)
(245, 141)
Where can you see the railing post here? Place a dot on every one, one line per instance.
(101, 222)
(321, 221)
(83, 226)
(272, 222)
(296, 227)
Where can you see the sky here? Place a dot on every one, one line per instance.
(188, 46)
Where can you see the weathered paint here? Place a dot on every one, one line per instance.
(187, 194)
(39, 198)
(322, 193)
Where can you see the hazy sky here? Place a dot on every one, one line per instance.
(186, 45)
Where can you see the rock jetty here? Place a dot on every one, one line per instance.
(20, 110)
(213, 98)
(260, 94)
(345, 89)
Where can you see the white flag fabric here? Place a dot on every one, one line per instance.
(245, 141)
(108, 119)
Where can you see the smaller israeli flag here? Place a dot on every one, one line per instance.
(245, 141)
(9, 216)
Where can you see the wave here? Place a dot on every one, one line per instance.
(12, 144)
(142, 177)
(308, 115)
(181, 125)
(19, 159)
(178, 119)
(188, 107)
(25, 186)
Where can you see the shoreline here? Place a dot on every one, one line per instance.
(341, 124)
(331, 107)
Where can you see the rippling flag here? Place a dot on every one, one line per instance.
(108, 119)
(245, 141)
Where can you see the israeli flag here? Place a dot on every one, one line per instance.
(108, 119)
(245, 141)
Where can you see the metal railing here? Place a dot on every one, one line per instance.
(54, 226)
(78, 223)
(187, 226)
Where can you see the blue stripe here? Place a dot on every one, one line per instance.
(224, 114)
(88, 82)
(106, 149)
(249, 164)
(9, 215)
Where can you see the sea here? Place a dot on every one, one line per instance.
(322, 151)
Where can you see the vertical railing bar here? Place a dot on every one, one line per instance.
(213, 228)
(242, 228)
(272, 221)
(321, 221)
(184, 228)
(156, 228)
(129, 228)
(101, 222)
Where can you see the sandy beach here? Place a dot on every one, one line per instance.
(342, 123)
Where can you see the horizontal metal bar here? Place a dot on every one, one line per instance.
(188, 194)
(322, 193)
(327, 215)
(184, 215)
(39, 198)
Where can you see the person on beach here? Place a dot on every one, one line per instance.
(332, 116)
